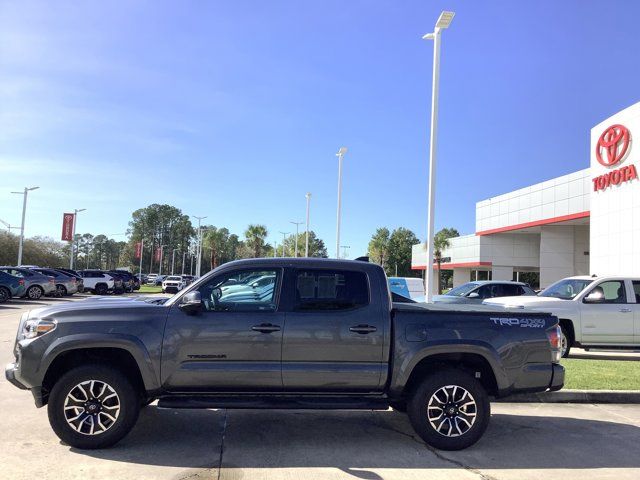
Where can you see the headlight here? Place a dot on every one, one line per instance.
(37, 327)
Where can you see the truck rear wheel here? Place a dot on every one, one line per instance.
(93, 406)
(450, 410)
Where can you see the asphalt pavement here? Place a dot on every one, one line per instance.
(523, 441)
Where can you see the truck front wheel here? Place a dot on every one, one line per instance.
(93, 406)
(450, 410)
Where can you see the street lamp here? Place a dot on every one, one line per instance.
(173, 259)
(161, 258)
(199, 246)
(306, 242)
(297, 224)
(284, 237)
(443, 22)
(340, 154)
(24, 210)
(9, 227)
(73, 235)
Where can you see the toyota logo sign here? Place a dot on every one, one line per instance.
(614, 141)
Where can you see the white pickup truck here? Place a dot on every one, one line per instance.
(594, 312)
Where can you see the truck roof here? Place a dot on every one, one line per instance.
(303, 262)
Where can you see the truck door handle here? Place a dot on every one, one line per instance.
(363, 329)
(265, 328)
(625, 310)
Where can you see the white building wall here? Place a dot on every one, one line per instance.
(559, 197)
(557, 247)
(581, 250)
(615, 211)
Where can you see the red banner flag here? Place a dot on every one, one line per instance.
(158, 254)
(138, 249)
(67, 226)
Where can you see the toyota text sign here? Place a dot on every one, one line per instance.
(67, 227)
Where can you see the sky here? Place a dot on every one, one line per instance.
(235, 109)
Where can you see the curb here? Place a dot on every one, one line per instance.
(576, 396)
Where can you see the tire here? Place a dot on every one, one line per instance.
(101, 289)
(399, 406)
(123, 408)
(34, 292)
(5, 294)
(450, 389)
(566, 341)
(61, 291)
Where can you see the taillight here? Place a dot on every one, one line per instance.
(554, 335)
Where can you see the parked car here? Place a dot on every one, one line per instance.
(65, 283)
(73, 273)
(151, 278)
(409, 287)
(158, 280)
(343, 345)
(188, 279)
(594, 312)
(99, 282)
(10, 287)
(128, 280)
(477, 292)
(36, 284)
(173, 284)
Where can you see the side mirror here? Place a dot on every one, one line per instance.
(191, 303)
(594, 297)
(473, 295)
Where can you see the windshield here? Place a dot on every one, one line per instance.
(174, 278)
(566, 289)
(462, 290)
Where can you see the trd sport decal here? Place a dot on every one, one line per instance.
(514, 322)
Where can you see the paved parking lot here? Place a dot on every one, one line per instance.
(524, 441)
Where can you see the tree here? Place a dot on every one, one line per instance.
(440, 243)
(255, 236)
(160, 225)
(401, 242)
(317, 248)
(378, 249)
(223, 246)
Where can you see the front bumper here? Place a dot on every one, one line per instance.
(10, 374)
(557, 379)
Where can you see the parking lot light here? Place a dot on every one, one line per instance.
(443, 22)
(284, 237)
(306, 241)
(297, 224)
(340, 154)
(24, 210)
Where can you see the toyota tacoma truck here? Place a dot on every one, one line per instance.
(323, 334)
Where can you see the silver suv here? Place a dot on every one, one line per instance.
(36, 284)
(65, 284)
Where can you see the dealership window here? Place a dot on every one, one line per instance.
(330, 290)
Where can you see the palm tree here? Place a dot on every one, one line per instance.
(216, 239)
(440, 242)
(255, 236)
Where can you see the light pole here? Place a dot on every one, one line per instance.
(275, 249)
(199, 246)
(173, 259)
(340, 154)
(443, 22)
(24, 210)
(284, 237)
(161, 258)
(73, 234)
(297, 224)
(184, 254)
(344, 250)
(9, 227)
(306, 241)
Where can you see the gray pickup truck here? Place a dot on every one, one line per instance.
(281, 333)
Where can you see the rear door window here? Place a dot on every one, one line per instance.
(330, 290)
(636, 290)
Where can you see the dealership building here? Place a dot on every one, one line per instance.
(586, 222)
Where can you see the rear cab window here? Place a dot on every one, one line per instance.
(330, 290)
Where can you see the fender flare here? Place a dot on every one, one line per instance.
(479, 348)
(84, 341)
